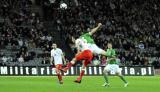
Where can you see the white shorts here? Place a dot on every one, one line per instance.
(112, 68)
(95, 49)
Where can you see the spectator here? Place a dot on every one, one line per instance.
(4, 58)
(103, 60)
(21, 59)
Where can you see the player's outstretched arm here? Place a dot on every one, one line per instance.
(95, 29)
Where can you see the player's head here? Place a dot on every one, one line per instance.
(54, 46)
(109, 45)
(77, 41)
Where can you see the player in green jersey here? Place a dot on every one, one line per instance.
(112, 66)
(91, 44)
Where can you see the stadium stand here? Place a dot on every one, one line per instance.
(133, 26)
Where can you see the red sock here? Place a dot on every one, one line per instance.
(59, 77)
(81, 75)
(68, 66)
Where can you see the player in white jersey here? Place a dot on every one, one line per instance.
(56, 57)
(83, 53)
(81, 45)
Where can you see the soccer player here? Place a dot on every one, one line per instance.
(57, 56)
(91, 44)
(112, 66)
(83, 53)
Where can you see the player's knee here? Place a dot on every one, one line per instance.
(57, 72)
(105, 72)
(73, 62)
(118, 74)
(83, 69)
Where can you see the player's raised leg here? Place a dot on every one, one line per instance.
(85, 63)
(96, 50)
(69, 65)
(87, 57)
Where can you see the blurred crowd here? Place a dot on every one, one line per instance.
(131, 25)
(21, 29)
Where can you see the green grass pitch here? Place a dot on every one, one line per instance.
(89, 84)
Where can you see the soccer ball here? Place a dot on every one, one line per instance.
(63, 6)
(96, 62)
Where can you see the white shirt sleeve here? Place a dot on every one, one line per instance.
(82, 45)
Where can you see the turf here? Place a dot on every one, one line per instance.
(89, 84)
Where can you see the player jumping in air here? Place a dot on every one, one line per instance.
(112, 66)
(83, 53)
(91, 44)
(57, 56)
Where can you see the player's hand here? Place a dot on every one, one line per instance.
(99, 24)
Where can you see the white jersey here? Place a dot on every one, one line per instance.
(94, 48)
(57, 55)
(81, 45)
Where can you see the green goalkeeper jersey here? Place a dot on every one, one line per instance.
(88, 38)
(110, 54)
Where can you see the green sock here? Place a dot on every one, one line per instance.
(122, 78)
(106, 78)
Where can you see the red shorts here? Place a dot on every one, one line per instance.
(58, 66)
(85, 55)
